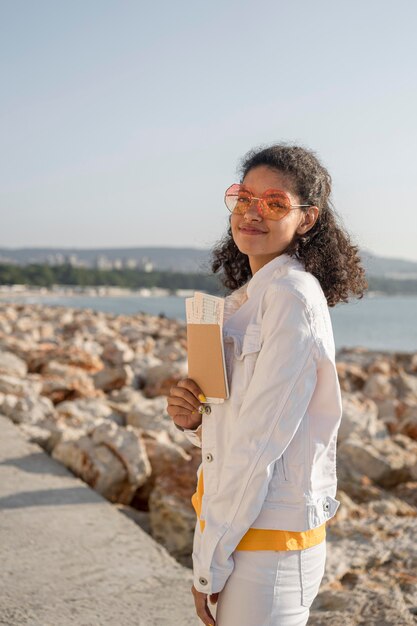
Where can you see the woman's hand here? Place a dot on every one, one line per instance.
(184, 400)
(201, 606)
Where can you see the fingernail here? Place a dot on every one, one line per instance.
(202, 397)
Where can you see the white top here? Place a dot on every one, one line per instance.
(269, 451)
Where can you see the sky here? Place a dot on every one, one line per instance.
(123, 122)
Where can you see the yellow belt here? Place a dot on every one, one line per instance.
(265, 539)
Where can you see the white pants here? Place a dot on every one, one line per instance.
(271, 587)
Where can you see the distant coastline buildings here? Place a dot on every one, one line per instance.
(101, 262)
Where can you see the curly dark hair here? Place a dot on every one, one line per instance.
(325, 250)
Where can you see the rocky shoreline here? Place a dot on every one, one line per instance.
(90, 388)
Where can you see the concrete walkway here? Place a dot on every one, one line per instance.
(67, 556)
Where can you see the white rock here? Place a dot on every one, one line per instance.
(31, 409)
(406, 385)
(36, 434)
(141, 365)
(387, 409)
(47, 331)
(117, 352)
(5, 327)
(8, 402)
(24, 323)
(159, 379)
(172, 351)
(124, 399)
(113, 377)
(360, 416)
(87, 412)
(150, 414)
(12, 365)
(111, 459)
(10, 313)
(382, 460)
(18, 386)
(156, 375)
(379, 387)
(132, 333)
(97, 466)
(128, 445)
(62, 382)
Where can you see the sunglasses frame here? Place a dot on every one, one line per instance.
(262, 200)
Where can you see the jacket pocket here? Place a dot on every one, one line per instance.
(283, 467)
(246, 351)
(280, 477)
(249, 342)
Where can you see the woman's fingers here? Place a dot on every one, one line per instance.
(181, 391)
(182, 413)
(201, 607)
(192, 386)
(181, 397)
(179, 402)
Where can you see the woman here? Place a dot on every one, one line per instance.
(267, 481)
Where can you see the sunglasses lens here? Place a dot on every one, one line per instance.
(237, 199)
(278, 204)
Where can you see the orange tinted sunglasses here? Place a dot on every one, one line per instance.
(274, 204)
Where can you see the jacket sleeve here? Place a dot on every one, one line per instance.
(276, 399)
(194, 435)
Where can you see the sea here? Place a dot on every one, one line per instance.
(376, 322)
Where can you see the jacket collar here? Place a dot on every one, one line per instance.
(270, 269)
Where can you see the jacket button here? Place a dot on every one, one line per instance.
(326, 506)
(207, 409)
(202, 581)
(209, 457)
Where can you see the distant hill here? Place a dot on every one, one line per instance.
(390, 268)
(182, 259)
(164, 258)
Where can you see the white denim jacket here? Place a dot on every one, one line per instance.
(269, 451)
